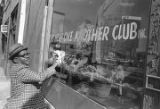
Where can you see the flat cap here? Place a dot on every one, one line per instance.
(15, 49)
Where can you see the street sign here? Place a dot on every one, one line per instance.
(4, 28)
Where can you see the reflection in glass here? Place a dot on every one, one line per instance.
(104, 42)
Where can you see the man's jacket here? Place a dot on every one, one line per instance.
(25, 88)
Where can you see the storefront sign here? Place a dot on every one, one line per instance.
(128, 31)
(4, 28)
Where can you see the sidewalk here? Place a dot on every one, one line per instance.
(4, 88)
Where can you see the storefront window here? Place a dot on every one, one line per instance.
(105, 45)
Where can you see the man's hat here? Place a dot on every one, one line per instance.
(15, 49)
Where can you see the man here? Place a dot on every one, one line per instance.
(25, 83)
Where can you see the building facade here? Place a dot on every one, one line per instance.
(112, 49)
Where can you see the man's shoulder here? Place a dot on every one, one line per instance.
(18, 67)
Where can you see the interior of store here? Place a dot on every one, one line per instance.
(107, 64)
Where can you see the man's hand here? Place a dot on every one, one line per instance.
(52, 68)
(51, 61)
(50, 71)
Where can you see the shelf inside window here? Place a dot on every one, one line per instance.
(154, 89)
(153, 76)
(154, 84)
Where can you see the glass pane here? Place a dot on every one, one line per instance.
(105, 48)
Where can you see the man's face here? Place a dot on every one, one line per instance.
(24, 57)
